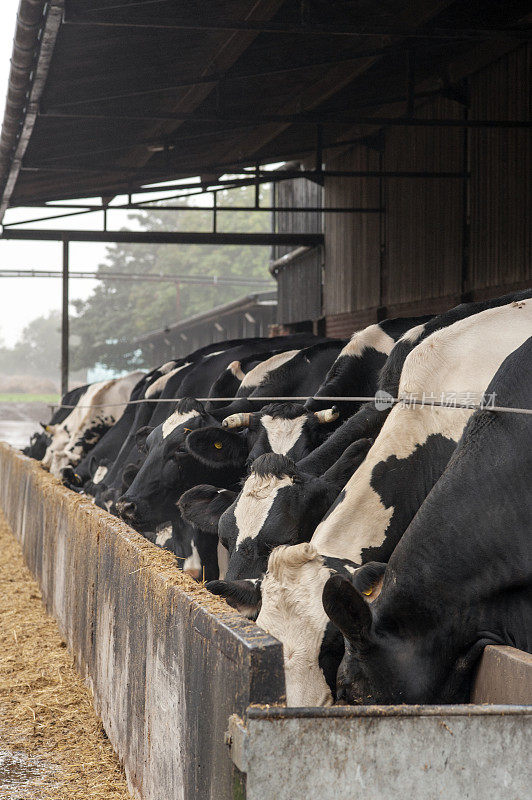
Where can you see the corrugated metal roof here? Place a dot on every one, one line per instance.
(114, 95)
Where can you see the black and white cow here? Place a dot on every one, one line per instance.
(355, 371)
(205, 451)
(278, 504)
(460, 578)
(383, 495)
(190, 377)
(97, 410)
(92, 469)
(41, 440)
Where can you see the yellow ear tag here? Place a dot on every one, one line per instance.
(186, 430)
(218, 445)
(368, 592)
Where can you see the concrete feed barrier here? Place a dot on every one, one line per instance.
(168, 663)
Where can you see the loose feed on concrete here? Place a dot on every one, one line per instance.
(52, 744)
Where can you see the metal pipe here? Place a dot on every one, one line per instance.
(200, 280)
(284, 261)
(65, 318)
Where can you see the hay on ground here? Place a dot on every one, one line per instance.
(45, 708)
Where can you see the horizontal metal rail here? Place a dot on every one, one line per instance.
(386, 402)
(163, 237)
(208, 280)
(304, 117)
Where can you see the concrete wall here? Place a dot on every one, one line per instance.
(168, 663)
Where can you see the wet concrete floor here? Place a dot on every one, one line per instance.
(21, 776)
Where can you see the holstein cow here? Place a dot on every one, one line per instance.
(460, 578)
(284, 428)
(355, 371)
(380, 500)
(39, 441)
(205, 451)
(278, 504)
(92, 469)
(99, 408)
(191, 377)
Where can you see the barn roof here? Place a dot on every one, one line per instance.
(106, 96)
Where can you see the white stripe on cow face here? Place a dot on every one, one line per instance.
(292, 611)
(372, 336)
(256, 375)
(100, 474)
(160, 383)
(282, 433)
(254, 504)
(175, 420)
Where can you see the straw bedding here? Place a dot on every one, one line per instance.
(45, 709)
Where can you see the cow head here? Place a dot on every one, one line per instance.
(170, 467)
(377, 667)
(287, 604)
(280, 504)
(284, 428)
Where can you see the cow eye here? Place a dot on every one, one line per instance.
(218, 445)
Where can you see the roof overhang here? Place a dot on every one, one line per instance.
(106, 97)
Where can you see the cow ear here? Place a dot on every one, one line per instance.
(93, 466)
(348, 463)
(368, 579)
(244, 595)
(215, 447)
(141, 436)
(129, 474)
(347, 609)
(203, 506)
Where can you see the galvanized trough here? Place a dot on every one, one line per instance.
(191, 694)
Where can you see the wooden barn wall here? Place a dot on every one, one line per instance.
(424, 217)
(500, 165)
(389, 264)
(352, 249)
(438, 241)
(299, 283)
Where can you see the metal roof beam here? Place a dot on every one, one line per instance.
(164, 237)
(148, 21)
(303, 118)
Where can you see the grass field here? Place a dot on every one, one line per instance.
(28, 398)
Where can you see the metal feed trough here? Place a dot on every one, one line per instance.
(191, 694)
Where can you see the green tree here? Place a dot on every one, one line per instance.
(118, 312)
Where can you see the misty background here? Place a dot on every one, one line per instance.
(107, 316)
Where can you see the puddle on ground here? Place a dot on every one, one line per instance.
(21, 775)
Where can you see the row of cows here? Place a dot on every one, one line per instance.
(383, 546)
